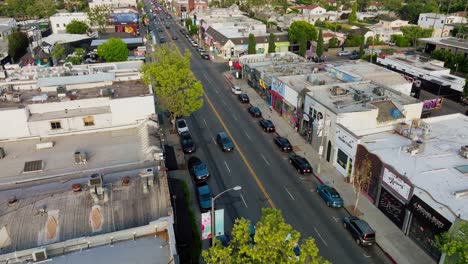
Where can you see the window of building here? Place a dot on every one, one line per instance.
(342, 159)
(88, 121)
(64, 25)
(58, 25)
(55, 125)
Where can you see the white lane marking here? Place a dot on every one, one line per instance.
(367, 256)
(227, 167)
(209, 80)
(224, 102)
(247, 135)
(292, 197)
(336, 219)
(214, 141)
(205, 122)
(323, 240)
(243, 200)
(233, 115)
(266, 161)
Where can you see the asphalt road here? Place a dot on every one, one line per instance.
(262, 170)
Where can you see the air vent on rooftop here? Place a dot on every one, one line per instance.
(464, 151)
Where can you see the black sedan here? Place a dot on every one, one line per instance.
(244, 98)
(187, 142)
(267, 125)
(205, 56)
(254, 111)
(300, 163)
(283, 144)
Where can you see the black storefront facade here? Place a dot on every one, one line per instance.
(425, 224)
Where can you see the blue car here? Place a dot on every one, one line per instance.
(198, 169)
(204, 197)
(224, 142)
(329, 195)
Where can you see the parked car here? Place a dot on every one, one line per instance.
(186, 141)
(195, 44)
(354, 57)
(160, 30)
(174, 37)
(205, 56)
(201, 50)
(198, 169)
(244, 98)
(300, 163)
(254, 111)
(236, 89)
(182, 30)
(343, 53)
(329, 195)
(204, 197)
(283, 143)
(181, 125)
(224, 142)
(267, 125)
(162, 40)
(317, 59)
(362, 233)
(409, 52)
(168, 27)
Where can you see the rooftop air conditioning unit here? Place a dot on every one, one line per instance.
(2, 153)
(378, 91)
(95, 183)
(80, 157)
(357, 97)
(463, 151)
(461, 194)
(147, 175)
(39, 255)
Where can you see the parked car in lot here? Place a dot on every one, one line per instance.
(198, 169)
(162, 40)
(174, 37)
(236, 89)
(186, 141)
(300, 163)
(244, 98)
(331, 197)
(283, 143)
(362, 233)
(204, 197)
(354, 57)
(343, 53)
(267, 125)
(317, 59)
(409, 52)
(254, 111)
(224, 142)
(181, 125)
(205, 56)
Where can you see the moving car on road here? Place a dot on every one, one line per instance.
(236, 89)
(329, 195)
(254, 111)
(198, 169)
(300, 163)
(244, 98)
(224, 141)
(186, 141)
(343, 53)
(283, 144)
(181, 126)
(204, 197)
(267, 125)
(362, 233)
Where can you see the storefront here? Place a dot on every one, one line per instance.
(277, 95)
(345, 150)
(425, 225)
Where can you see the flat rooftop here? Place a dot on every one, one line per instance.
(120, 89)
(417, 61)
(448, 41)
(435, 169)
(300, 82)
(53, 212)
(108, 149)
(358, 96)
(258, 60)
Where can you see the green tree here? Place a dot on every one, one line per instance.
(412, 10)
(273, 242)
(174, 84)
(302, 44)
(319, 50)
(113, 50)
(393, 5)
(413, 33)
(42, 9)
(353, 40)
(193, 30)
(17, 45)
(401, 41)
(333, 42)
(140, 5)
(76, 27)
(455, 244)
(99, 17)
(361, 177)
(58, 50)
(361, 50)
(352, 18)
(252, 48)
(298, 28)
(77, 56)
(271, 43)
(188, 23)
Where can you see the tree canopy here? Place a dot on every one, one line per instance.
(413, 33)
(274, 241)
(455, 244)
(77, 56)
(17, 44)
(353, 40)
(58, 50)
(252, 48)
(77, 27)
(26, 9)
(271, 43)
(319, 49)
(99, 16)
(302, 27)
(113, 50)
(173, 82)
(352, 18)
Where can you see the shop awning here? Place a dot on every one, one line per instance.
(237, 65)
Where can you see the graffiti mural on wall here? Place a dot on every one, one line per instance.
(433, 104)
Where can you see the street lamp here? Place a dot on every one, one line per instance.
(213, 233)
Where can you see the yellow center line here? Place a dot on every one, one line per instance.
(244, 159)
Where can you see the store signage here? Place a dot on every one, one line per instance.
(433, 104)
(278, 86)
(396, 184)
(427, 214)
(392, 207)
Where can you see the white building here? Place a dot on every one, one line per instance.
(8, 21)
(439, 22)
(113, 3)
(312, 10)
(60, 100)
(59, 21)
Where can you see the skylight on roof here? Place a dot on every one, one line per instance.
(463, 169)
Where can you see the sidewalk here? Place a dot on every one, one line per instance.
(398, 247)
